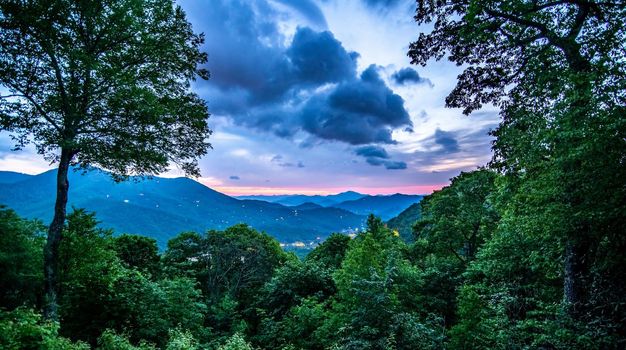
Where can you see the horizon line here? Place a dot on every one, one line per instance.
(241, 191)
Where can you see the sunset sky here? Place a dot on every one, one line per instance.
(318, 96)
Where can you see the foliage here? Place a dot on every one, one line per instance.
(236, 261)
(24, 329)
(99, 293)
(294, 282)
(21, 247)
(404, 222)
(106, 80)
(459, 218)
(109, 340)
(181, 340)
(138, 252)
(100, 83)
(331, 252)
(557, 70)
(236, 342)
(90, 267)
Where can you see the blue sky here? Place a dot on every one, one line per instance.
(318, 96)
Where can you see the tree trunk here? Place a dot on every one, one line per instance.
(578, 243)
(51, 250)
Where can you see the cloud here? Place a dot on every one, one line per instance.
(451, 152)
(407, 76)
(391, 165)
(377, 156)
(278, 159)
(446, 140)
(360, 111)
(372, 151)
(374, 161)
(317, 57)
(234, 177)
(307, 85)
(308, 9)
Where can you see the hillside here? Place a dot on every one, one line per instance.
(385, 207)
(9, 177)
(162, 208)
(405, 220)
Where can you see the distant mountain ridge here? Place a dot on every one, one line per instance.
(9, 177)
(386, 207)
(163, 207)
(293, 200)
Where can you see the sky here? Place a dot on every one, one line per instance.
(319, 97)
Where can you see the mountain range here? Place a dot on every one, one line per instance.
(299, 199)
(383, 206)
(163, 207)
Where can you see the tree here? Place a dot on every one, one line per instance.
(235, 262)
(557, 70)
(24, 329)
(458, 219)
(100, 83)
(21, 246)
(138, 252)
(378, 302)
(331, 252)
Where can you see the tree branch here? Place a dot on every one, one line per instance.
(38, 107)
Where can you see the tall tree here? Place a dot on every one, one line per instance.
(557, 70)
(100, 83)
(459, 218)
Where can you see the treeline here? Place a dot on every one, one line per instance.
(473, 278)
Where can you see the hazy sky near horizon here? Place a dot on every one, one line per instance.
(318, 96)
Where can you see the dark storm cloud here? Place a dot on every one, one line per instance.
(234, 177)
(391, 165)
(239, 42)
(409, 76)
(377, 156)
(317, 57)
(374, 161)
(262, 83)
(360, 111)
(251, 65)
(446, 140)
(372, 151)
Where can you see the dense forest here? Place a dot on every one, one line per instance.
(525, 253)
(469, 280)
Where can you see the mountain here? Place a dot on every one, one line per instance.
(405, 220)
(385, 207)
(162, 207)
(307, 206)
(9, 177)
(298, 199)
